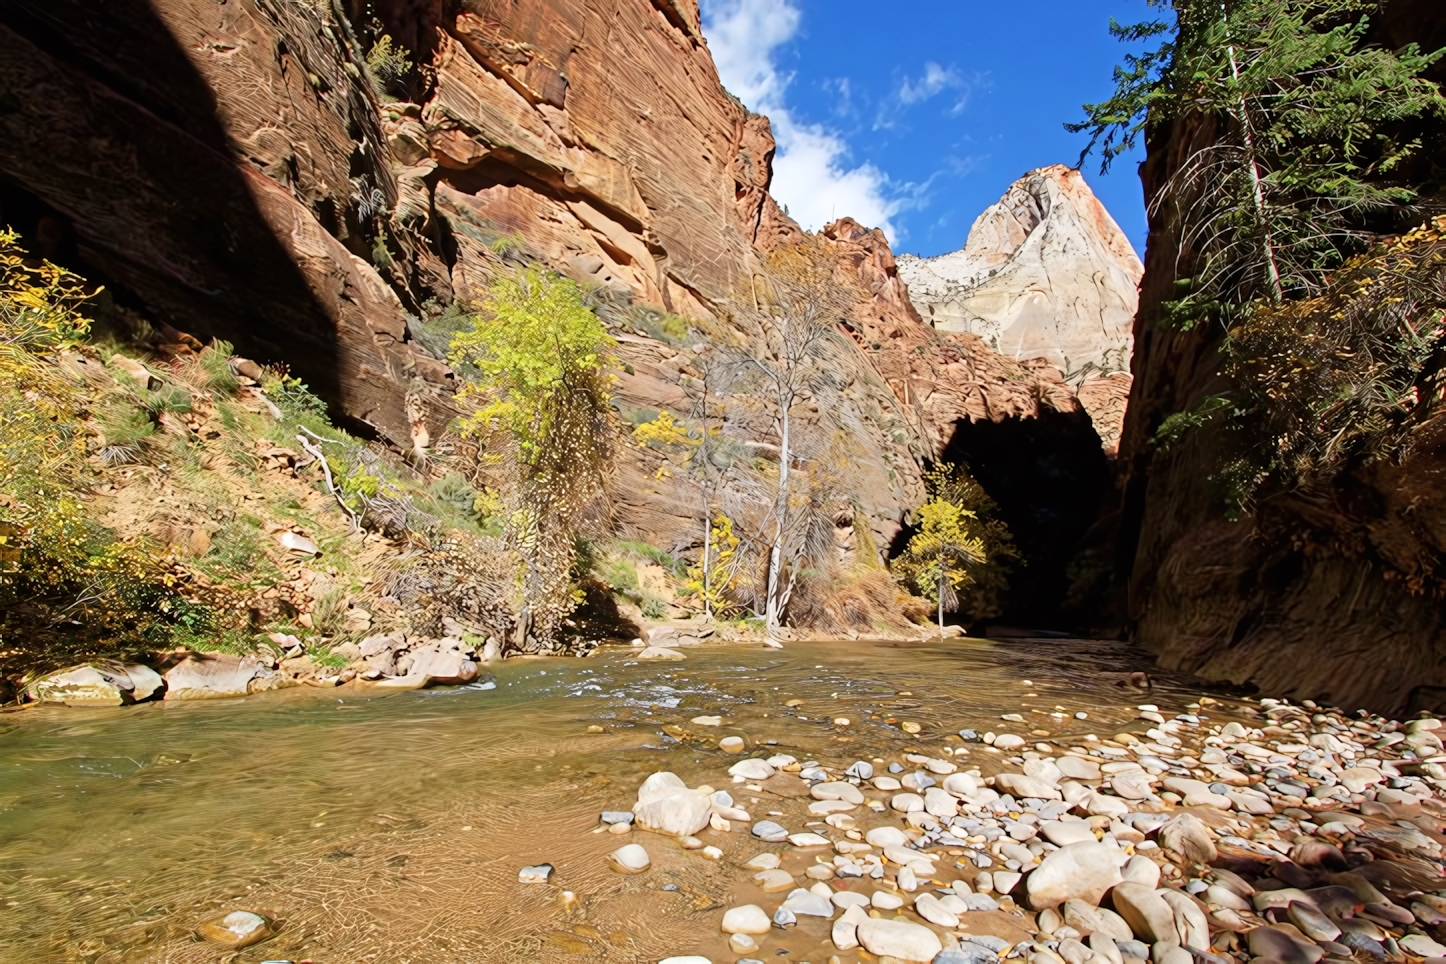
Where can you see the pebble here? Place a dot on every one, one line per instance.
(751, 769)
(747, 919)
(629, 859)
(731, 744)
(774, 881)
(238, 929)
(769, 831)
(741, 944)
(808, 903)
(538, 874)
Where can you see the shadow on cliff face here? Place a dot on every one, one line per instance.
(1050, 477)
(110, 137)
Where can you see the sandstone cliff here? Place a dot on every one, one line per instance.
(1045, 273)
(1321, 594)
(229, 170)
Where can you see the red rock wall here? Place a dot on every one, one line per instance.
(228, 168)
(1259, 600)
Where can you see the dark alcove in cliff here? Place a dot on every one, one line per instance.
(1050, 477)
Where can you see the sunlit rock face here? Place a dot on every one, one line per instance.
(1046, 272)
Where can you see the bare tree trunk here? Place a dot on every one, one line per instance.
(707, 545)
(941, 595)
(772, 609)
(1276, 290)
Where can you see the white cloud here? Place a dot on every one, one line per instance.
(811, 171)
(935, 79)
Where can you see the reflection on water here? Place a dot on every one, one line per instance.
(391, 827)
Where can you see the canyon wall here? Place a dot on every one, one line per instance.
(228, 170)
(1329, 594)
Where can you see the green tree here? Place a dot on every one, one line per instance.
(1310, 122)
(963, 553)
(541, 358)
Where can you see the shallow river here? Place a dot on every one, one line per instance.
(392, 827)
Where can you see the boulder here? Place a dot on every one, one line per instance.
(681, 814)
(100, 683)
(447, 667)
(1084, 870)
(1186, 835)
(206, 676)
(1149, 916)
(904, 940)
(748, 919)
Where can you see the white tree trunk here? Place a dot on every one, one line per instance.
(773, 614)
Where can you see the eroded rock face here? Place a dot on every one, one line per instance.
(269, 198)
(1325, 595)
(1045, 272)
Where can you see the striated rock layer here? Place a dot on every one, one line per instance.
(226, 169)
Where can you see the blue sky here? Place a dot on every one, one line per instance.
(916, 116)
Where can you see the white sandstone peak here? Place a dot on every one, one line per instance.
(1045, 272)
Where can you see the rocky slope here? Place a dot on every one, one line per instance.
(228, 171)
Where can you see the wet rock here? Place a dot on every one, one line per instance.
(660, 652)
(927, 906)
(611, 817)
(537, 874)
(884, 900)
(809, 904)
(845, 930)
(774, 881)
(906, 802)
(629, 859)
(238, 929)
(99, 683)
(1080, 870)
(666, 805)
(862, 770)
(753, 769)
(967, 952)
(784, 918)
(205, 676)
(748, 919)
(769, 831)
(763, 862)
(907, 941)
(837, 790)
(742, 944)
(887, 837)
(1008, 741)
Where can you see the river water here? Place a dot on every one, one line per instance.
(392, 827)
